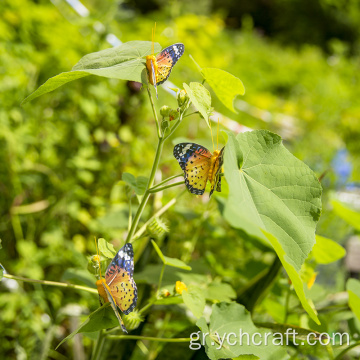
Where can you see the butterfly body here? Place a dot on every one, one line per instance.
(119, 287)
(159, 67)
(199, 166)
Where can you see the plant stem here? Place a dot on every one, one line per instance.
(51, 283)
(99, 346)
(161, 188)
(167, 180)
(138, 337)
(287, 299)
(154, 111)
(157, 214)
(160, 278)
(147, 193)
(193, 113)
(342, 353)
(174, 127)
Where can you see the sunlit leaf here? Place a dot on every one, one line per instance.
(220, 292)
(350, 216)
(124, 62)
(353, 289)
(225, 86)
(232, 319)
(326, 251)
(275, 197)
(106, 248)
(194, 299)
(200, 97)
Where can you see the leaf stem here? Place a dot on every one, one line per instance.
(160, 278)
(147, 193)
(167, 180)
(154, 112)
(51, 283)
(161, 188)
(99, 345)
(139, 337)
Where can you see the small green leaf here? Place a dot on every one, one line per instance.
(102, 318)
(326, 251)
(353, 289)
(225, 86)
(201, 99)
(194, 299)
(275, 197)
(138, 184)
(170, 261)
(229, 324)
(106, 248)
(157, 249)
(124, 62)
(176, 263)
(350, 216)
(220, 292)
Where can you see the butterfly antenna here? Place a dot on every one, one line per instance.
(212, 138)
(97, 252)
(153, 39)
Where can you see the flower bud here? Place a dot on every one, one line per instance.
(164, 111)
(132, 320)
(182, 97)
(173, 115)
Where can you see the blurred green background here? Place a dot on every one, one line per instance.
(62, 156)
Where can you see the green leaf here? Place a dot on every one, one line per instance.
(124, 62)
(326, 251)
(225, 86)
(219, 292)
(176, 263)
(232, 319)
(106, 248)
(350, 216)
(102, 318)
(1, 271)
(275, 197)
(353, 289)
(138, 184)
(194, 299)
(201, 99)
(170, 261)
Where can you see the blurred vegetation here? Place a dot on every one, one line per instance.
(63, 155)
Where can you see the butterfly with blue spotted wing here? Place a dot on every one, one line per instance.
(159, 67)
(199, 166)
(119, 287)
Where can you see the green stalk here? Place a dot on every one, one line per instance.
(51, 283)
(161, 188)
(147, 193)
(160, 278)
(99, 346)
(138, 337)
(154, 112)
(167, 180)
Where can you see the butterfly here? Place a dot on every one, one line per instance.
(159, 67)
(199, 166)
(119, 287)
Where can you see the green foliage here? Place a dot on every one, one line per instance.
(194, 299)
(326, 251)
(226, 86)
(230, 318)
(124, 62)
(201, 99)
(106, 248)
(136, 184)
(353, 289)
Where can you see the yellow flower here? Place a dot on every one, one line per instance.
(180, 287)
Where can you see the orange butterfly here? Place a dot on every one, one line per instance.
(159, 67)
(119, 287)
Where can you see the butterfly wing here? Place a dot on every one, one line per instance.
(119, 278)
(166, 61)
(113, 305)
(217, 171)
(194, 160)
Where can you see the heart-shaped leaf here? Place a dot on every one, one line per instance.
(124, 62)
(275, 197)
